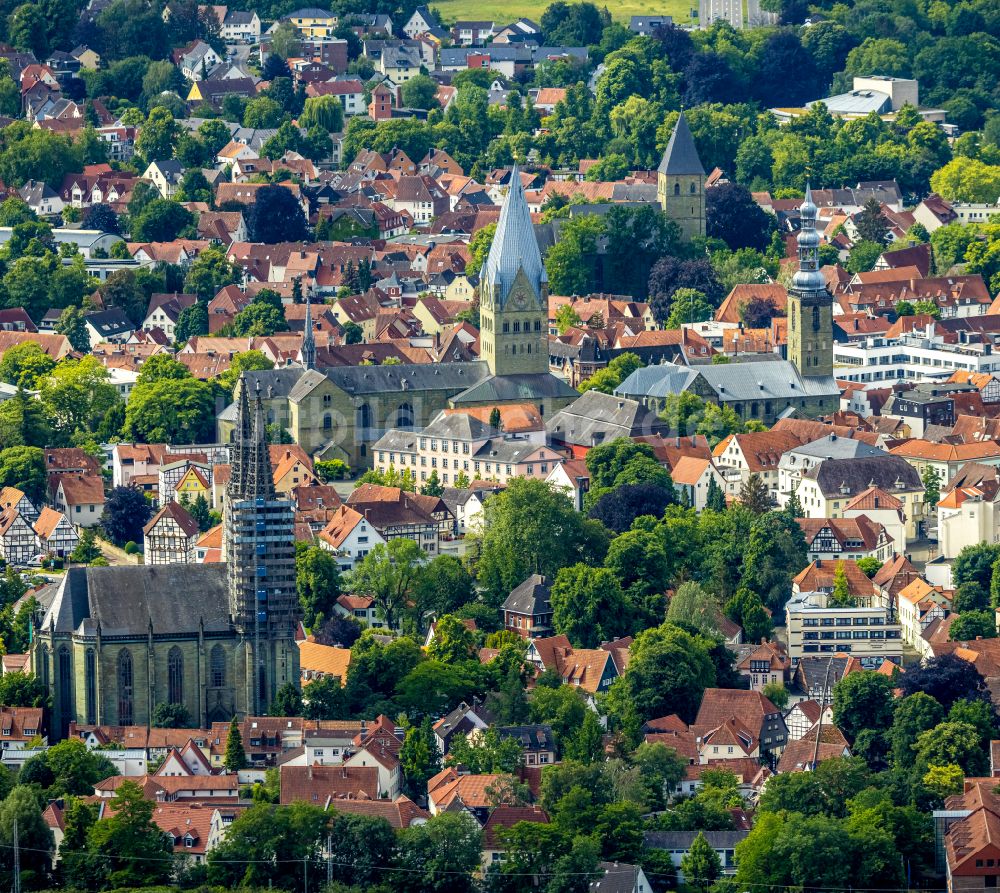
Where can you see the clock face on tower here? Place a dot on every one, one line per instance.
(519, 299)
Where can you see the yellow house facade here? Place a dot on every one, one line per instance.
(313, 22)
(192, 485)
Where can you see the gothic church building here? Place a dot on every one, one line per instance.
(217, 638)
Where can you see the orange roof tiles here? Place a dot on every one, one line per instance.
(324, 660)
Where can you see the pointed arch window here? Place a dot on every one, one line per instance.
(175, 676)
(90, 683)
(677, 188)
(125, 687)
(217, 663)
(64, 670)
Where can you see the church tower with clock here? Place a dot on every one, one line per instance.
(810, 304)
(514, 293)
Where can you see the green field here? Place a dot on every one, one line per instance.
(494, 10)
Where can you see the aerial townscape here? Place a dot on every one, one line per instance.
(500, 447)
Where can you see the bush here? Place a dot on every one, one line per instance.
(131, 548)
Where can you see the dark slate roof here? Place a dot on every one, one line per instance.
(682, 840)
(531, 597)
(834, 447)
(812, 672)
(124, 600)
(681, 157)
(408, 377)
(597, 418)
(533, 737)
(273, 383)
(521, 388)
(617, 877)
(656, 381)
(766, 380)
(458, 426)
(112, 321)
(849, 477)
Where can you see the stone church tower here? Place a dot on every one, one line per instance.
(680, 182)
(514, 293)
(810, 304)
(259, 539)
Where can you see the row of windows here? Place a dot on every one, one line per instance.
(843, 621)
(846, 634)
(515, 326)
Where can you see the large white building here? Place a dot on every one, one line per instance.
(868, 633)
(913, 357)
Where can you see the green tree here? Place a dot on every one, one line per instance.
(24, 468)
(975, 564)
(420, 92)
(287, 701)
(692, 605)
(171, 411)
(754, 495)
(913, 715)
(688, 305)
(870, 223)
(419, 757)
(668, 672)
(776, 693)
(317, 579)
(956, 743)
(444, 586)
(566, 318)
(323, 111)
(588, 605)
(453, 641)
(487, 752)
(531, 528)
(269, 846)
(23, 690)
(862, 701)
(24, 364)
(262, 112)
(932, 486)
(479, 248)
(235, 757)
(841, 595)
(362, 847)
(86, 549)
(863, 256)
(135, 851)
(944, 781)
(572, 262)
(73, 325)
(158, 135)
(74, 863)
(162, 220)
(387, 574)
(701, 864)
(210, 272)
(439, 856)
(973, 625)
(35, 841)
(171, 716)
(23, 422)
